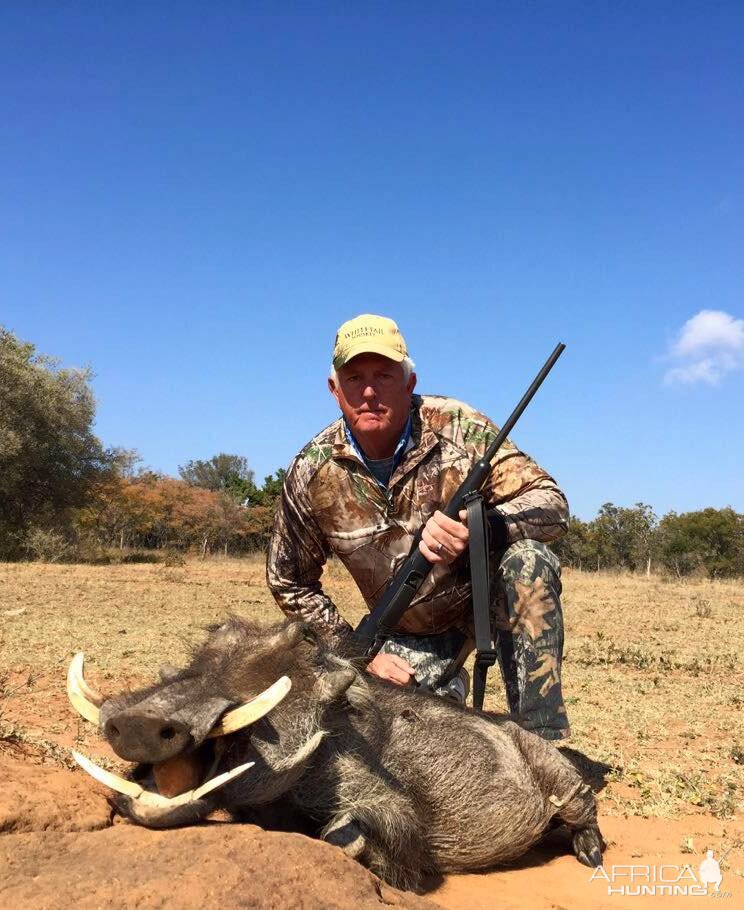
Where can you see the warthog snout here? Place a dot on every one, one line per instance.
(143, 737)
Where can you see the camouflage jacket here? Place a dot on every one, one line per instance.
(331, 503)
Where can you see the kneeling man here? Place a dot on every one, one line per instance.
(364, 486)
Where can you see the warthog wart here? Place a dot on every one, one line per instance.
(407, 783)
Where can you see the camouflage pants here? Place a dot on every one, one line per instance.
(527, 622)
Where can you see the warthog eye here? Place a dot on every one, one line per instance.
(167, 733)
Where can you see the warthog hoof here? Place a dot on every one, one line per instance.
(588, 846)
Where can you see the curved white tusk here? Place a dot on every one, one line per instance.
(127, 787)
(220, 780)
(87, 690)
(145, 797)
(84, 699)
(253, 710)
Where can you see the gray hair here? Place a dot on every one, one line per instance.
(407, 364)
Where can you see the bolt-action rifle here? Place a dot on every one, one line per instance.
(377, 626)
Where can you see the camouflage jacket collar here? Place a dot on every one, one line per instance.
(422, 440)
(404, 444)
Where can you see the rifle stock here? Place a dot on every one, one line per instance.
(372, 631)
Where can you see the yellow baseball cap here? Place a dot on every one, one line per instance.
(368, 334)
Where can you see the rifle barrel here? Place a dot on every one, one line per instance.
(508, 425)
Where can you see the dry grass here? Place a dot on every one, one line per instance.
(653, 674)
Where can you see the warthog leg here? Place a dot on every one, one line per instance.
(380, 830)
(579, 813)
(568, 796)
(345, 832)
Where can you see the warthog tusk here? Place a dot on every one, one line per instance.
(253, 710)
(85, 687)
(84, 699)
(155, 800)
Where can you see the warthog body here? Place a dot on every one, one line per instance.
(405, 782)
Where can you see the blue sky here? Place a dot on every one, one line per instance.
(194, 196)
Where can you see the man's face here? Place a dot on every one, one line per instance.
(374, 396)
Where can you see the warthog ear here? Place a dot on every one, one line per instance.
(168, 672)
(331, 686)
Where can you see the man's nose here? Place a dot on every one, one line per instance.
(369, 392)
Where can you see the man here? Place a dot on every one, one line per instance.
(364, 486)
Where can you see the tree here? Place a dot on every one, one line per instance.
(619, 537)
(575, 547)
(50, 459)
(623, 537)
(268, 494)
(220, 472)
(154, 511)
(126, 463)
(710, 539)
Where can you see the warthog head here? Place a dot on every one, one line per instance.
(215, 715)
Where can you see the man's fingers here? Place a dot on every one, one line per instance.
(401, 664)
(450, 526)
(391, 667)
(399, 678)
(438, 540)
(429, 554)
(432, 538)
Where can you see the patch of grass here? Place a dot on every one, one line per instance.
(607, 652)
(702, 607)
(16, 739)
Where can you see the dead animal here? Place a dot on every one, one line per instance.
(407, 783)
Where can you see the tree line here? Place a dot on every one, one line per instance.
(64, 496)
(706, 542)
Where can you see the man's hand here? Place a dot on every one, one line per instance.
(392, 668)
(444, 539)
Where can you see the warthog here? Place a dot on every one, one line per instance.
(405, 782)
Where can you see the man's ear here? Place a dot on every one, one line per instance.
(411, 384)
(332, 388)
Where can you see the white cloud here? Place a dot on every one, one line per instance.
(710, 345)
(710, 329)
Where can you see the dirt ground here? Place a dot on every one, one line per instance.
(653, 680)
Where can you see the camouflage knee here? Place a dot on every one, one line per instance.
(528, 560)
(433, 657)
(527, 588)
